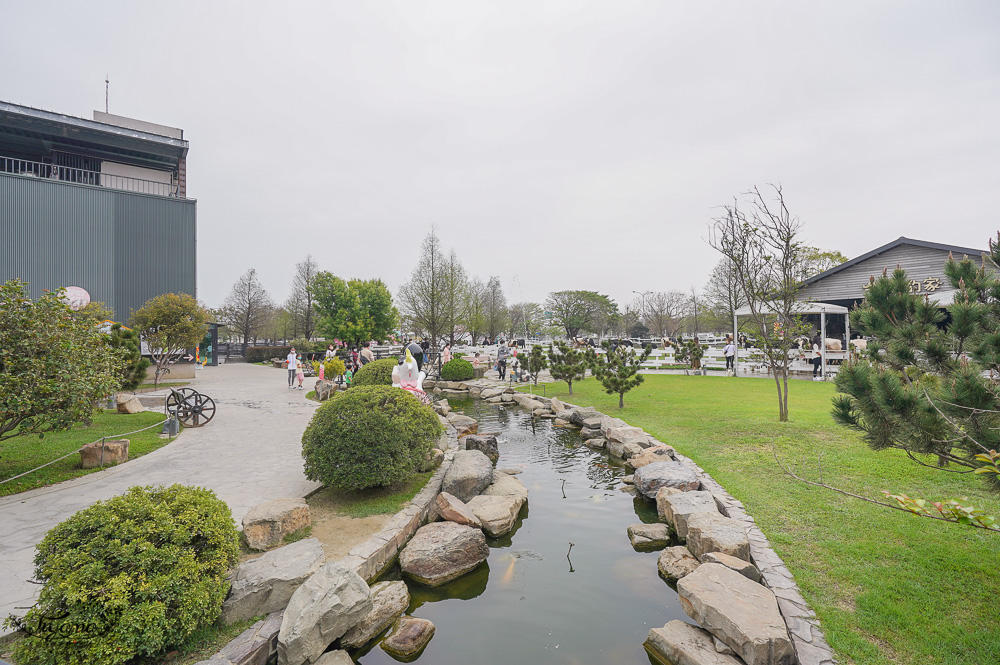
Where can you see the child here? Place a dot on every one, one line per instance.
(301, 373)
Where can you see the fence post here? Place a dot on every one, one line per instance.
(103, 439)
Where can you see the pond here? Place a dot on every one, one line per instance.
(530, 603)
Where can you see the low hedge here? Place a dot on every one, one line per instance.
(259, 354)
(375, 373)
(129, 577)
(457, 369)
(368, 436)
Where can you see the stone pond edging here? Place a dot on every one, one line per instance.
(370, 558)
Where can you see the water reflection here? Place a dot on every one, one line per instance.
(537, 599)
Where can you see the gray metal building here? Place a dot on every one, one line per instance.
(923, 262)
(99, 204)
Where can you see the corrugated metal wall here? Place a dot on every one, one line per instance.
(124, 248)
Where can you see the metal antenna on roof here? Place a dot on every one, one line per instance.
(107, 85)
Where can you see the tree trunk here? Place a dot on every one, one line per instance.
(621, 400)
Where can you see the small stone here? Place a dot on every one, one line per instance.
(433, 460)
(497, 513)
(596, 444)
(590, 432)
(713, 532)
(649, 536)
(629, 480)
(268, 523)
(676, 562)
(389, 600)
(485, 444)
(561, 422)
(630, 450)
(453, 509)
(338, 657)
(650, 455)
(408, 637)
(504, 485)
(557, 406)
(128, 403)
(681, 643)
(650, 478)
(677, 509)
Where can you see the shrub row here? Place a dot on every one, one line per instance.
(259, 354)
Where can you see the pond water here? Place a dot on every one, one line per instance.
(529, 603)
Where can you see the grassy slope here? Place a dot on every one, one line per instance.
(888, 587)
(22, 453)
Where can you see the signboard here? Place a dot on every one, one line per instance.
(76, 297)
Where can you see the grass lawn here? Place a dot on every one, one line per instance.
(888, 587)
(373, 501)
(23, 453)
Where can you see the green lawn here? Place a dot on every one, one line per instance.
(22, 453)
(888, 587)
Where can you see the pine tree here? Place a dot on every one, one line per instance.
(618, 370)
(534, 362)
(566, 364)
(928, 385)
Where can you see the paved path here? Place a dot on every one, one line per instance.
(250, 452)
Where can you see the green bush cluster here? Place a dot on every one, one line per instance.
(369, 436)
(259, 354)
(457, 369)
(129, 577)
(331, 367)
(375, 373)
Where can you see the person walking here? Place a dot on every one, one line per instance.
(446, 354)
(502, 360)
(817, 360)
(355, 359)
(300, 371)
(729, 351)
(293, 366)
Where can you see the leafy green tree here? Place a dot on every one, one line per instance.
(534, 362)
(690, 353)
(170, 324)
(567, 364)
(580, 311)
(816, 260)
(927, 383)
(96, 312)
(129, 346)
(53, 366)
(618, 369)
(354, 311)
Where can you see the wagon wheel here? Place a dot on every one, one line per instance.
(196, 410)
(177, 397)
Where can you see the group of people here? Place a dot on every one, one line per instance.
(356, 357)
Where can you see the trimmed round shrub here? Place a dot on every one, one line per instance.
(457, 369)
(129, 577)
(368, 436)
(375, 373)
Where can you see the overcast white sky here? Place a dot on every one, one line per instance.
(559, 145)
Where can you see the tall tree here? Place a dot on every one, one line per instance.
(524, 319)
(456, 286)
(302, 300)
(170, 324)
(354, 311)
(475, 309)
(495, 307)
(723, 292)
(247, 307)
(423, 299)
(760, 241)
(581, 311)
(664, 312)
(816, 260)
(568, 364)
(53, 366)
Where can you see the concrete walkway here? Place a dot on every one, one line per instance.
(250, 452)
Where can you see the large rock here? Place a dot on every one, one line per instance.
(505, 485)
(678, 507)
(489, 393)
(497, 513)
(389, 600)
(267, 524)
(680, 643)
(676, 562)
(266, 584)
(485, 444)
(744, 568)
(462, 424)
(452, 509)
(128, 403)
(338, 657)
(649, 536)
(408, 637)
(578, 415)
(324, 389)
(742, 614)
(650, 478)
(619, 437)
(652, 454)
(557, 406)
(596, 444)
(253, 646)
(443, 551)
(630, 450)
(526, 401)
(325, 607)
(607, 422)
(469, 474)
(98, 454)
(714, 532)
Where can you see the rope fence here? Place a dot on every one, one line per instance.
(76, 452)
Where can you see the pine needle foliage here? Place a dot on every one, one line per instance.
(927, 383)
(618, 369)
(568, 364)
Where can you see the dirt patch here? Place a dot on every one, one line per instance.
(339, 534)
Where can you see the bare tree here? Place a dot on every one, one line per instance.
(664, 311)
(423, 300)
(495, 307)
(301, 301)
(456, 286)
(524, 318)
(766, 258)
(722, 291)
(475, 306)
(247, 308)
